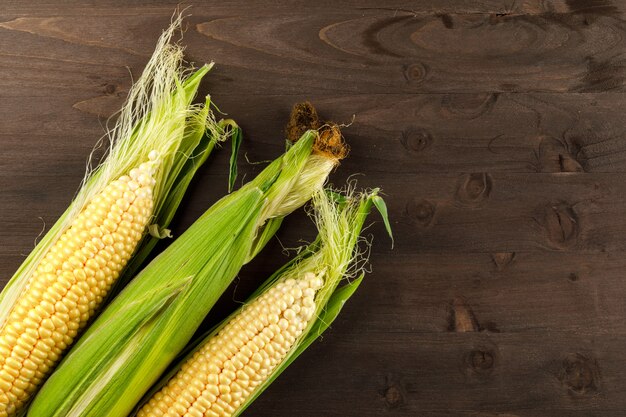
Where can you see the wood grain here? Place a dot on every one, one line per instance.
(495, 129)
(393, 50)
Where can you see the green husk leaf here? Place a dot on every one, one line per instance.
(268, 230)
(380, 205)
(156, 231)
(235, 140)
(136, 314)
(337, 197)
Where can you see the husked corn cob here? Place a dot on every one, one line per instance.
(70, 282)
(235, 362)
(224, 372)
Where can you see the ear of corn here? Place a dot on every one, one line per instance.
(107, 375)
(231, 366)
(69, 274)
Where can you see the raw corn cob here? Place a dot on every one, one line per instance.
(240, 358)
(132, 342)
(156, 146)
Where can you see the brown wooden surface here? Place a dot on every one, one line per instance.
(496, 129)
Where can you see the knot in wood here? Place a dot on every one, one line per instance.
(422, 213)
(462, 318)
(109, 89)
(579, 374)
(393, 396)
(502, 259)
(415, 73)
(474, 189)
(416, 140)
(468, 106)
(555, 155)
(446, 20)
(561, 224)
(481, 360)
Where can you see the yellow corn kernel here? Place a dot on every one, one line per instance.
(224, 372)
(69, 282)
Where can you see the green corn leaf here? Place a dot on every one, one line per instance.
(382, 209)
(267, 231)
(236, 137)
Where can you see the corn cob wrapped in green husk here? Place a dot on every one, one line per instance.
(158, 142)
(148, 324)
(235, 362)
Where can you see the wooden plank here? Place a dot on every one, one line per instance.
(392, 51)
(488, 213)
(433, 293)
(34, 7)
(420, 293)
(403, 52)
(500, 212)
(477, 212)
(430, 133)
(426, 133)
(453, 374)
(532, 292)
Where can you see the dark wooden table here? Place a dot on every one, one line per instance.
(496, 129)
